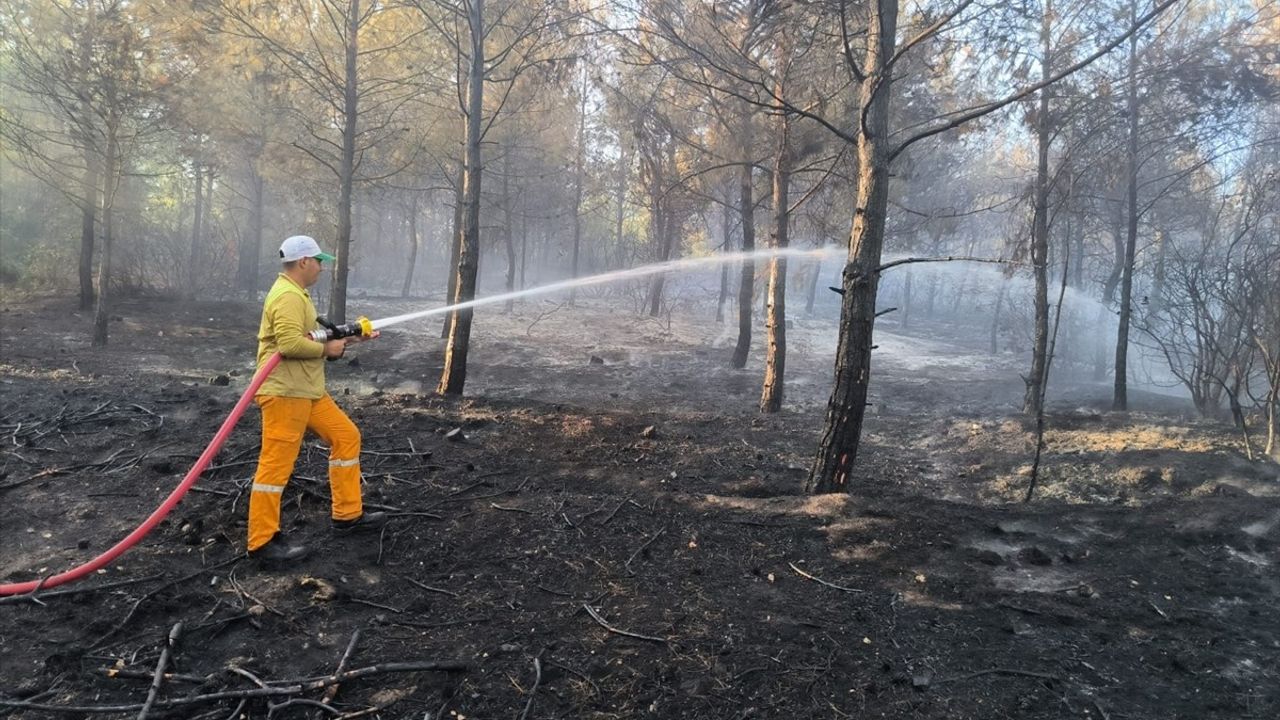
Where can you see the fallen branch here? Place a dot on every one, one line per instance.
(537, 680)
(596, 616)
(999, 671)
(627, 565)
(158, 679)
(429, 588)
(332, 691)
(31, 597)
(820, 581)
(282, 690)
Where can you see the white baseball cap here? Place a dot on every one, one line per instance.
(302, 246)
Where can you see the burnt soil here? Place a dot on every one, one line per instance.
(616, 463)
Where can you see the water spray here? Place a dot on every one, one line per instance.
(364, 327)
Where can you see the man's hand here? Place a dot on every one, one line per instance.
(333, 349)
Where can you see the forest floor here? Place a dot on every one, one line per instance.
(613, 477)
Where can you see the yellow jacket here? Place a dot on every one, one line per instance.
(287, 317)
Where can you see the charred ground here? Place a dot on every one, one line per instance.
(618, 464)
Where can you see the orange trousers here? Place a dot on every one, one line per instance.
(284, 422)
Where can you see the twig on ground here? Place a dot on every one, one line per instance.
(819, 580)
(627, 565)
(429, 588)
(496, 506)
(615, 511)
(161, 665)
(373, 604)
(537, 680)
(998, 671)
(332, 691)
(281, 689)
(600, 621)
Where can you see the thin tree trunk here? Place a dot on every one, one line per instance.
(995, 317)
(88, 229)
(102, 311)
(197, 232)
(1040, 231)
(413, 247)
(1120, 401)
(455, 247)
(508, 233)
(776, 317)
(907, 285)
(579, 162)
(847, 407)
(346, 169)
(747, 284)
(624, 167)
(454, 377)
(813, 287)
(726, 245)
(251, 246)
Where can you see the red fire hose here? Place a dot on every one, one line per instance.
(169, 503)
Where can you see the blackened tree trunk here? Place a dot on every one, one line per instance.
(578, 181)
(812, 294)
(995, 316)
(847, 405)
(346, 168)
(726, 245)
(250, 251)
(88, 228)
(197, 233)
(111, 180)
(455, 246)
(776, 316)
(454, 376)
(508, 232)
(413, 247)
(747, 284)
(1035, 379)
(1120, 400)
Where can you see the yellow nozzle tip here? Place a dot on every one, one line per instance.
(366, 327)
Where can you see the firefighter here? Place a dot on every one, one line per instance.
(293, 400)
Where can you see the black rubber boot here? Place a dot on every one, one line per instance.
(277, 553)
(367, 521)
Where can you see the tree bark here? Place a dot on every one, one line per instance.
(454, 377)
(413, 247)
(1040, 232)
(1120, 400)
(88, 229)
(455, 247)
(346, 168)
(847, 407)
(726, 245)
(747, 283)
(251, 246)
(776, 316)
(111, 171)
(579, 162)
(197, 233)
(508, 233)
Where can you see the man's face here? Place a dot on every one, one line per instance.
(311, 269)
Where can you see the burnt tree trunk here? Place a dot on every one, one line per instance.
(747, 283)
(346, 168)
(413, 247)
(1035, 379)
(454, 376)
(1120, 401)
(88, 228)
(508, 233)
(455, 248)
(847, 407)
(776, 315)
(197, 233)
(579, 162)
(250, 251)
(111, 180)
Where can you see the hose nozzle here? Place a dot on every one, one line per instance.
(361, 327)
